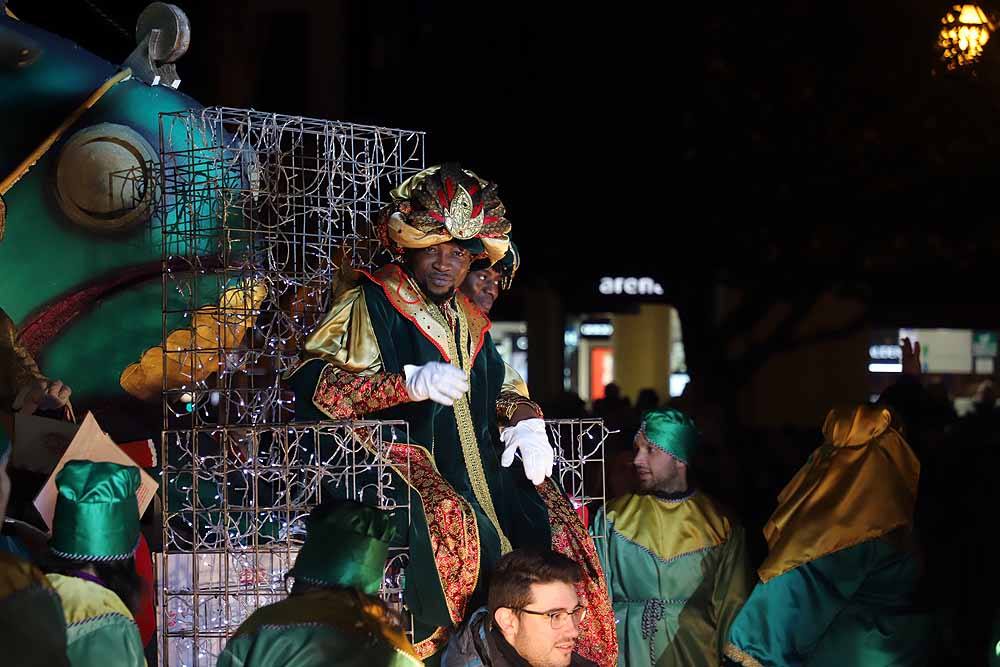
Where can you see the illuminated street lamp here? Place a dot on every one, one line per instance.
(965, 29)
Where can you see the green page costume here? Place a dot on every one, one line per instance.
(330, 627)
(678, 574)
(96, 520)
(676, 565)
(100, 630)
(841, 571)
(336, 621)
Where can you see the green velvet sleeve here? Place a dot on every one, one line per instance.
(734, 580)
(851, 607)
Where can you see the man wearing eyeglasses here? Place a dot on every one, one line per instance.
(533, 619)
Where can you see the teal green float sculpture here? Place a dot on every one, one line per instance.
(82, 249)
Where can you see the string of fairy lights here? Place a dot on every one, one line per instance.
(256, 213)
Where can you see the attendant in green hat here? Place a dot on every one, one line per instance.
(90, 562)
(32, 629)
(332, 616)
(675, 560)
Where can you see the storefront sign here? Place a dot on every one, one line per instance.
(629, 285)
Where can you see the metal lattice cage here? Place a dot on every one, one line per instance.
(257, 213)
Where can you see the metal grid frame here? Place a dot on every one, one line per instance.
(237, 519)
(580, 465)
(251, 202)
(256, 214)
(258, 201)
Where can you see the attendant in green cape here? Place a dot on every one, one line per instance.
(403, 343)
(32, 629)
(90, 563)
(674, 558)
(332, 616)
(838, 582)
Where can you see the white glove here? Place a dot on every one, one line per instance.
(441, 383)
(529, 436)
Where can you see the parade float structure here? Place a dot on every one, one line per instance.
(162, 253)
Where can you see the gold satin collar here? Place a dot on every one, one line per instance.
(83, 600)
(669, 529)
(346, 336)
(404, 295)
(859, 485)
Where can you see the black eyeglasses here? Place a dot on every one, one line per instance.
(558, 619)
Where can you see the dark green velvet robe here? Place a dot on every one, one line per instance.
(521, 512)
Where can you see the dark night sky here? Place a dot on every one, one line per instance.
(721, 142)
(514, 94)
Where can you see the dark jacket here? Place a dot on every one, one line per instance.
(475, 644)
